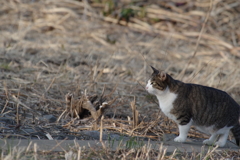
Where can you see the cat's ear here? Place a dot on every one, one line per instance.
(162, 76)
(155, 71)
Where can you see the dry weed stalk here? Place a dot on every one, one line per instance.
(199, 38)
(135, 113)
(94, 104)
(101, 129)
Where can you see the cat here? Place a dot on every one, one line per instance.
(210, 110)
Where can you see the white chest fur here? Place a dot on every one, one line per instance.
(166, 100)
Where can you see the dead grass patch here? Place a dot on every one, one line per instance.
(52, 47)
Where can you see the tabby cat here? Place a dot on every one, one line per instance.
(210, 110)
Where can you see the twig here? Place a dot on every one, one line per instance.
(4, 107)
(58, 145)
(135, 113)
(61, 115)
(19, 102)
(101, 129)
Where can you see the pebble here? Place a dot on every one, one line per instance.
(49, 118)
(6, 120)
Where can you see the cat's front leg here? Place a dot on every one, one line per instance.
(183, 132)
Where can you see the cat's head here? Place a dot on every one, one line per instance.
(157, 84)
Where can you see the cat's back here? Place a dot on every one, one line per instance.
(190, 90)
(207, 105)
(208, 94)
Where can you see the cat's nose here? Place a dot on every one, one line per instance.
(146, 87)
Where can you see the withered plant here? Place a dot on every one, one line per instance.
(88, 105)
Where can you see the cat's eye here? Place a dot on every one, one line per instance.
(152, 83)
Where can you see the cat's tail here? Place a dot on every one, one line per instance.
(236, 133)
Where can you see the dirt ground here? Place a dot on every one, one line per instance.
(52, 47)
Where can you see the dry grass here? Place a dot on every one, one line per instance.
(132, 152)
(52, 47)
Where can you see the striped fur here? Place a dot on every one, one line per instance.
(209, 109)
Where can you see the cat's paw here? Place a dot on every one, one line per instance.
(219, 144)
(179, 139)
(208, 142)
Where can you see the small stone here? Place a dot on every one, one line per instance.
(49, 118)
(29, 130)
(6, 120)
